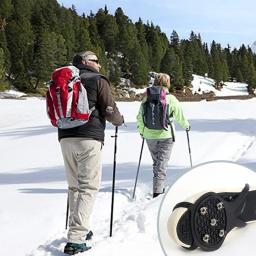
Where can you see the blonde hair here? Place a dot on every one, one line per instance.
(162, 79)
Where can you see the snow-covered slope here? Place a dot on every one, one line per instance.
(33, 186)
(202, 84)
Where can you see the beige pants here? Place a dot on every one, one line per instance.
(82, 160)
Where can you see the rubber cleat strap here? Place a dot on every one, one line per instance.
(183, 204)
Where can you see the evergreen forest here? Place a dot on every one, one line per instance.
(37, 36)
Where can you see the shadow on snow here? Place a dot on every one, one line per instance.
(243, 126)
(125, 177)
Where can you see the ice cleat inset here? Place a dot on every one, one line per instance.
(204, 221)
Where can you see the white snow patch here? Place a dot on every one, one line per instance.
(202, 85)
(11, 94)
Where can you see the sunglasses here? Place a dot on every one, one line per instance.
(96, 61)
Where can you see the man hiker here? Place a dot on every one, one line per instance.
(81, 149)
(154, 123)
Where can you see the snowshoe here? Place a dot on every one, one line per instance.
(73, 248)
(204, 221)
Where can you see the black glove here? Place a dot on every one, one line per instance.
(188, 128)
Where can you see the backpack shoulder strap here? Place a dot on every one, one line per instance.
(89, 75)
(153, 93)
(170, 115)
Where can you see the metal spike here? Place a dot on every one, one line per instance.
(206, 238)
(220, 205)
(213, 222)
(203, 210)
(221, 233)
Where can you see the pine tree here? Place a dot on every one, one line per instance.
(239, 75)
(127, 38)
(3, 83)
(111, 33)
(60, 52)
(172, 65)
(251, 78)
(6, 9)
(187, 65)
(2, 65)
(83, 41)
(66, 29)
(49, 10)
(114, 70)
(141, 36)
(138, 66)
(108, 29)
(199, 60)
(122, 21)
(156, 48)
(233, 64)
(94, 34)
(225, 69)
(20, 43)
(48, 56)
(3, 46)
(168, 61)
(217, 64)
(178, 79)
(175, 41)
(97, 44)
(229, 62)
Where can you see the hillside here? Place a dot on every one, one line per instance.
(203, 88)
(38, 36)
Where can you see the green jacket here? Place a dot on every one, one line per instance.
(175, 108)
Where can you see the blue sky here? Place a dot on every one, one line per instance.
(230, 22)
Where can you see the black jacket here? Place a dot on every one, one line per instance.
(99, 96)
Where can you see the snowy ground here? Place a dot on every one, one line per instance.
(33, 185)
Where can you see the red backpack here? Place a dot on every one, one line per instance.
(66, 99)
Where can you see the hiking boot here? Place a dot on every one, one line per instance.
(73, 248)
(204, 221)
(157, 194)
(89, 235)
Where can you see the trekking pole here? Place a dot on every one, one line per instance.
(138, 169)
(189, 149)
(113, 183)
(67, 212)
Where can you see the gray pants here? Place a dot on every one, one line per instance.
(160, 151)
(82, 160)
